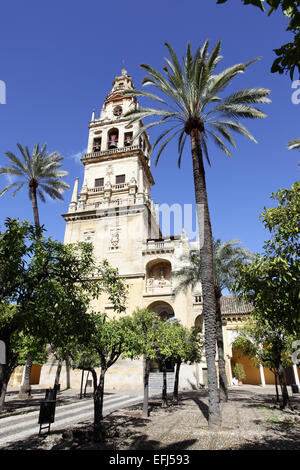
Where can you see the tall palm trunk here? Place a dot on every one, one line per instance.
(25, 389)
(207, 277)
(220, 346)
(33, 187)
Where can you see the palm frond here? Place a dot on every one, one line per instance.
(164, 145)
(7, 188)
(189, 92)
(293, 144)
(219, 143)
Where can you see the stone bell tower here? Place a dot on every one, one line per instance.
(113, 209)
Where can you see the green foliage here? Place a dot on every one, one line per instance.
(267, 347)
(158, 339)
(227, 257)
(25, 344)
(271, 281)
(148, 326)
(288, 55)
(46, 290)
(239, 371)
(109, 339)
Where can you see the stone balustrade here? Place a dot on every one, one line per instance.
(107, 152)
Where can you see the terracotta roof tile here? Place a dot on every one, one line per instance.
(230, 304)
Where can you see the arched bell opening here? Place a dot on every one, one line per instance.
(113, 138)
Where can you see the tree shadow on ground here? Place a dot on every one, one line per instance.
(122, 433)
(200, 397)
(263, 399)
(282, 436)
(15, 404)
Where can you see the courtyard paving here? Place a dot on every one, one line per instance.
(251, 420)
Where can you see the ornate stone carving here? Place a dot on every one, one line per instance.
(115, 238)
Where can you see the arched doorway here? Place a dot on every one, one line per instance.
(165, 312)
(163, 309)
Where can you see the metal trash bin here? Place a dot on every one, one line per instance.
(50, 394)
(295, 388)
(47, 410)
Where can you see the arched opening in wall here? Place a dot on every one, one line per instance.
(165, 312)
(252, 374)
(97, 144)
(158, 274)
(163, 309)
(128, 139)
(199, 322)
(113, 138)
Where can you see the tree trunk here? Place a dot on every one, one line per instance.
(220, 344)
(284, 391)
(207, 278)
(86, 381)
(276, 387)
(164, 397)
(33, 187)
(176, 382)
(145, 413)
(98, 408)
(4, 379)
(57, 375)
(68, 384)
(25, 388)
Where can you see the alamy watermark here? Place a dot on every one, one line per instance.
(161, 222)
(296, 94)
(2, 92)
(2, 352)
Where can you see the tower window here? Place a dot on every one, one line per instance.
(97, 144)
(120, 179)
(99, 182)
(128, 139)
(113, 137)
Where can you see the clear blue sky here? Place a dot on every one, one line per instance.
(59, 58)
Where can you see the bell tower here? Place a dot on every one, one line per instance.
(113, 209)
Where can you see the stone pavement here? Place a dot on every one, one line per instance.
(14, 405)
(251, 420)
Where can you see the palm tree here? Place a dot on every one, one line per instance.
(191, 106)
(40, 172)
(227, 256)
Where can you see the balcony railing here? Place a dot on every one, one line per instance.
(96, 189)
(112, 151)
(158, 245)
